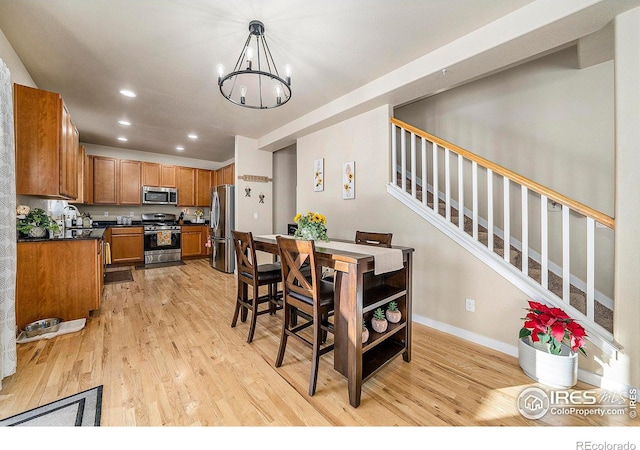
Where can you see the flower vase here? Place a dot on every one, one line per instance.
(557, 371)
(37, 232)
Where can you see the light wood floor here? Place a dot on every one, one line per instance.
(164, 350)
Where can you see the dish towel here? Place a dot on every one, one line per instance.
(107, 253)
(164, 237)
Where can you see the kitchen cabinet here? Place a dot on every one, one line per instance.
(127, 245)
(186, 184)
(168, 176)
(228, 174)
(105, 179)
(47, 286)
(46, 145)
(194, 238)
(130, 183)
(203, 187)
(81, 175)
(87, 178)
(151, 173)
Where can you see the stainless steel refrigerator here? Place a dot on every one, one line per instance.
(222, 223)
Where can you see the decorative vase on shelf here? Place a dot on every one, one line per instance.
(392, 313)
(37, 232)
(365, 334)
(378, 322)
(557, 371)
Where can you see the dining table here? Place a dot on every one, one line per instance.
(359, 289)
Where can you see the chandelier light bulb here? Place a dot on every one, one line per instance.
(278, 94)
(249, 57)
(243, 94)
(287, 73)
(220, 69)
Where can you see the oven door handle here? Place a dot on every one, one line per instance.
(156, 232)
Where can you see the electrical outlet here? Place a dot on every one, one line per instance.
(106, 213)
(470, 305)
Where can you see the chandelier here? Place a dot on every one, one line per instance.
(255, 81)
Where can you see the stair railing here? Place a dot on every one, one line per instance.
(413, 178)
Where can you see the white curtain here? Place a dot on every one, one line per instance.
(7, 229)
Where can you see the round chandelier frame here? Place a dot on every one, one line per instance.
(259, 88)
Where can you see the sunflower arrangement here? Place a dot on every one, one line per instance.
(311, 226)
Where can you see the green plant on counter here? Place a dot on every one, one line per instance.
(37, 217)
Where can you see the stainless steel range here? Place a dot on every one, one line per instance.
(162, 241)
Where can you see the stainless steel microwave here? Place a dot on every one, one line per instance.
(152, 195)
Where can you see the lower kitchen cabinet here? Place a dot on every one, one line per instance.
(58, 278)
(127, 245)
(194, 238)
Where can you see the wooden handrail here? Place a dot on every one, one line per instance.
(500, 170)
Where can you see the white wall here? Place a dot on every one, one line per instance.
(284, 188)
(444, 274)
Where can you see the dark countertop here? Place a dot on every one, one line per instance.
(71, 234)
(135, 223)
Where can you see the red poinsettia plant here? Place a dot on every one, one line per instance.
(553, 326)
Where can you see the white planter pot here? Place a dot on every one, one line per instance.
(557, 371)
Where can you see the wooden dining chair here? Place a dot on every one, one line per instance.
(307, 302)
(373, 238)
(251, 274)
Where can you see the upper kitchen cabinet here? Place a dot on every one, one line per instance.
(203, 187)
(186, 177)
(46, 145)
(228, 174)
(106, 172)
(156, 174)
(130, 183)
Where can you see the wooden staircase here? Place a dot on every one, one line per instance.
(603, 315)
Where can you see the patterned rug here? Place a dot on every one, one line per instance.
(79, 410)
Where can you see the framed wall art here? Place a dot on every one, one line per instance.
(349, 180)
(318, 175)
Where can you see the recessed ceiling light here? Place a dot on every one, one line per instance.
(123, 139)
(180, 148)
(127, 93)
(124, 122)
(193, 136)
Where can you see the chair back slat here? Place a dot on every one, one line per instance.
(296, 254)
(245, 252)
(374, 238)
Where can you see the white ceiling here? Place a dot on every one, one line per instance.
(167, 51)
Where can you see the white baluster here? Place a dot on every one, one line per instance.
(447, 184)
(474, 182)
(436, 186)
(544, 242)
(394, 155)
(591, 225)
(403, 159)
(506, 237)
(566, 255)
(490, 209)
(460, 193)
(525, 230)
(425, 184)
(413, 172)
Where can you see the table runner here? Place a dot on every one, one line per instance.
(385, 259)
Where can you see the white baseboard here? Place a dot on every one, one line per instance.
(512, 350)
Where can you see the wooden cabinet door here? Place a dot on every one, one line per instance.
(105, 180)
(130, 182)
(87, 179)
(127, 245)
(80, 173)
(191, 241)
(203, 187)
(168, 176)
(151, 174)
(229, 173)
(214, 178)
(38, 129)
(186, 186)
